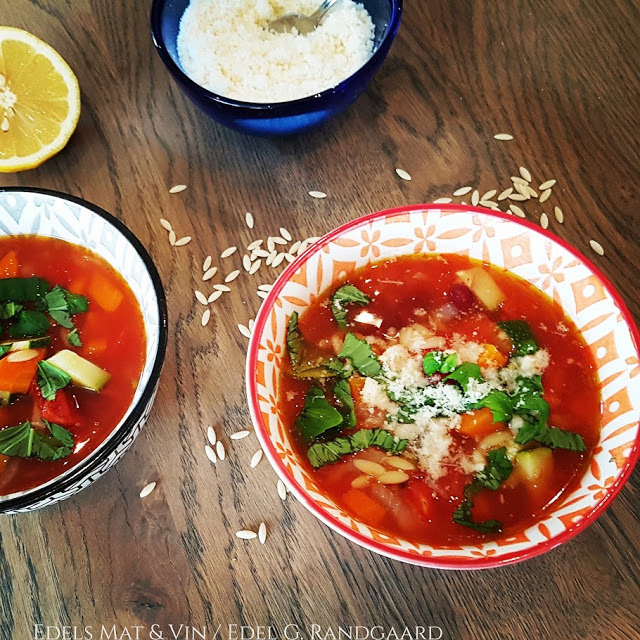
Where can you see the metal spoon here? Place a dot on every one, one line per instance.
(302, 24)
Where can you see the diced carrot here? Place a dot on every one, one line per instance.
(90, 326)
(104, 293)
(364, 507)
(491, 357)
(356, 385)
(16, 377)
(9, 265)
(479, 423)
(78, 285)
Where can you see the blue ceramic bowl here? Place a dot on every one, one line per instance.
(281, 118)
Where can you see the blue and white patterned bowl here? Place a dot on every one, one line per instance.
(56, 215)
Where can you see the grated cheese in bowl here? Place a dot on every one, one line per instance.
(226, 47)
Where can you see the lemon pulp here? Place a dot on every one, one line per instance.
(39, 101)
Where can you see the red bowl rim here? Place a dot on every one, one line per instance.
(444, 562)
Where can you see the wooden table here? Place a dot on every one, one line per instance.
(561, 76)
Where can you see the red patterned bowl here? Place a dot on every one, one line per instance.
(533, 254)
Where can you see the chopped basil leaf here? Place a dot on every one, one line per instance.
(24, 441)
(294, 339)
(499, 403)
(435, 361)
(533, 384)
(56, 305)
(406, 414)
(359, 353)
(323, 453)
(58, 445)
(50, 379)
(9, 310)
(61, 305)
(73, 338)
(342, 392)
(497, 469)
(495, 472)
(535, 411)
(30, 324)
(465, 372)
(550, 436)
(17, 441)
(317, 415)
(561, 439)
(302, 368)
(5, 348)
(449, 363)
(23, 289)
(524, 342)
(76, 303)
(346, 294)
(529, 404)
(432, 362)
(462, 515)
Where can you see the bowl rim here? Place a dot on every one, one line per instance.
(287, 107)
(380, 548)
(91, 462)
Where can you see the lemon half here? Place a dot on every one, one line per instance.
(39, 101)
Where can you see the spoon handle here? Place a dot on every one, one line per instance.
(318, 14)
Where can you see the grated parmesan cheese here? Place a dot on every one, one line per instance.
(439, 406)
(467, 351)
(226, 47)
(374, 395)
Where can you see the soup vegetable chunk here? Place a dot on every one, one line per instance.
(440, 399)
(71, 353)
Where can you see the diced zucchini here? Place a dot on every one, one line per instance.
(4, 398)
(82, 372)
(535, 464)
(483, 286)
(32, 343)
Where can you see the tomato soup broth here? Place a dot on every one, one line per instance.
(113, 340)
(483, 476)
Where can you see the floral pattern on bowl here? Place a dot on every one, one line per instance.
(531, 253)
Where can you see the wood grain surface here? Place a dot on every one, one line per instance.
(561, 76)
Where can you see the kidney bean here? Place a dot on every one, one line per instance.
(462, 297)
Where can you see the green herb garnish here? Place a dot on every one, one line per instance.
(500, 404)
(346, 294)
(464, 373)
(23, 441)
(50, 379)
(342, 392)
(30, 324)
(497, 469)
(550, 436)
(294, 339)
(528, 403)
(73, 338)
(61, 305)
(301, 366)
(462, 515)
(23, 289)
(9, 310)
(438, 361)
(359, 353)
(317, 415)
(495, 472)
(524, 342)
(323, 453)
